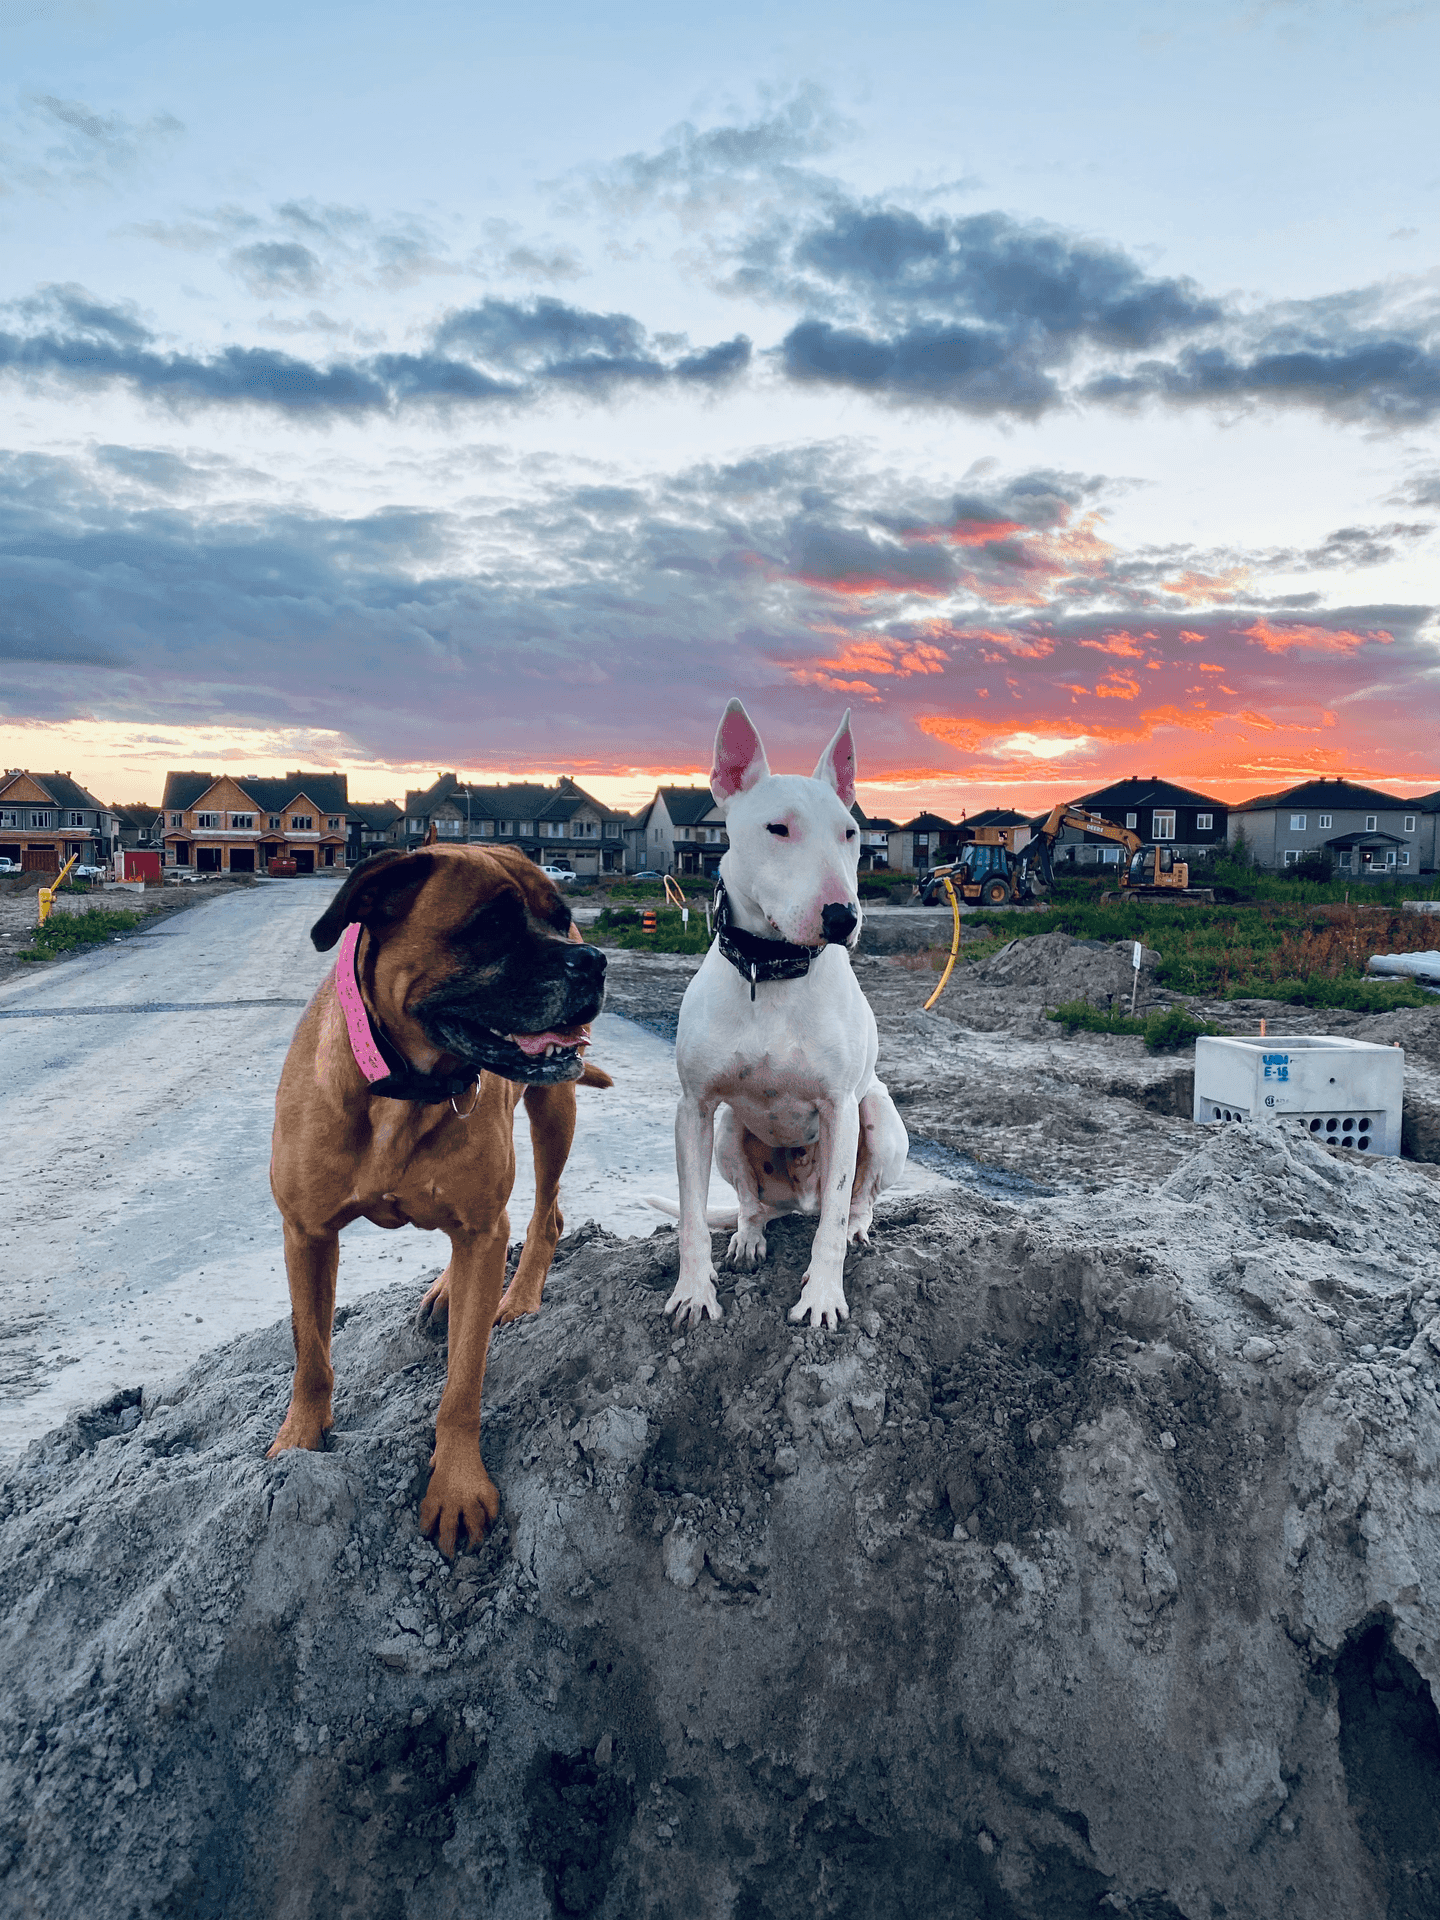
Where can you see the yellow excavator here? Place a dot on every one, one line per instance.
(991, 871)
(1151, 872)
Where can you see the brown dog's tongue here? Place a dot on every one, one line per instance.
(537, 1042)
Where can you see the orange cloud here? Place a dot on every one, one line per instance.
(1253, 719)
(1190, 586)
(1122, 643)
(1205, 667)
(1120, 686)
(1280, 639)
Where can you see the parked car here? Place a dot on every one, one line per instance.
(558, 874)
(9, 866)
(649, 873)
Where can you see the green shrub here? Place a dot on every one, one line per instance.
(622, 928)
(64, 932)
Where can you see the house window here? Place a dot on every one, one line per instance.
(1390, 858)
(1297, 823)
(1403, 859)
(526, 827)
(1110, 856)
(42, 820)
(486, 829)
(207, 819)
(506, 827)
(243, 822)
(274, 823)
(78, 820)
(333, 823)
(1409, 823)
(1325, 821)
(552, 829)
(1204, 822)
(449, 827)
(1370, 822)
(1132, 819)
(1164, 826)
(9, 818)
(302, 822)
(1292, 854)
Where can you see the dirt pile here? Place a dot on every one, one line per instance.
(1092, 1565)
(1057, 968)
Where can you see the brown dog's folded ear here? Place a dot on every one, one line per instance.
(381, 888)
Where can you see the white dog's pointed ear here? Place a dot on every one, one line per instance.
(739, 757)
(836, 765)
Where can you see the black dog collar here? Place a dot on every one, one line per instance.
(753, 956)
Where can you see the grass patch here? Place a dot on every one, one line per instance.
(623, 929)
(65, 932)
(1164, 1032)
(1287, 950)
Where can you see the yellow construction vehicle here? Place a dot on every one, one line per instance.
(47, 894)
(1151, 872)
(989, 871)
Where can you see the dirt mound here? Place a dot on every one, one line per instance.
(1062, 968)
(1065, 1575)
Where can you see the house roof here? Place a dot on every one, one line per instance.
(1327, 793)
(328, 791)
(1348, 842)
(1133, 794)
(927, 823)
(64, 791)
(686, 805)
(997, 817)
(514, 800)
(374, 813)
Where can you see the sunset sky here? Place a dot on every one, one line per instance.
(404, 389)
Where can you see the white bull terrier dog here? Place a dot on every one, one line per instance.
(777, 1045)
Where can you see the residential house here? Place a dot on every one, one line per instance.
(373, 826)
(560, 825)
(230, 825)
(1190, 823)
(681, 831)
(1368, 834)
(137, 826)
(924, 842)
(874, 840)
(1427, 844)
(45, 818)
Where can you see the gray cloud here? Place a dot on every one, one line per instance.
(516, 352)
(277, 267)
(1392, 380)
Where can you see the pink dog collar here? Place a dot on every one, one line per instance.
(357, 1020)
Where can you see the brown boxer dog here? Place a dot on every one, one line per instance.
(396, 1103)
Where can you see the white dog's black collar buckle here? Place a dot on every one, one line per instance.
(753, 957)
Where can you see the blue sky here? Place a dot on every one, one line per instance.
(1058, 386)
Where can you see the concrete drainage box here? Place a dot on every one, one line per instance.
(1347, 1093)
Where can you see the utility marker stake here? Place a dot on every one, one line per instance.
(1135, 954)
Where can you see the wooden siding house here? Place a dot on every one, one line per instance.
(230, 825)
(559, 826)
(47, 817)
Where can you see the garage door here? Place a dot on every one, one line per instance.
(242, 859)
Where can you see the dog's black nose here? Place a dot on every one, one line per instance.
(839, 924)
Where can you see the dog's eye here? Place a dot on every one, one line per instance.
(780, 833)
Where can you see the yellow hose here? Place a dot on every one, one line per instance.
(954, 944)
(673, 893)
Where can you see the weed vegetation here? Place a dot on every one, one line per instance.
(64, 932)
(1164, 1032)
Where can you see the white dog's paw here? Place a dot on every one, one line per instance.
(857, 1233)
(693, 1299)
(823, 1301)
(747, 1246)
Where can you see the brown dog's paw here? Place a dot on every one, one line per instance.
(305, 1425)
(459, 1499)
(518, 1302)
(432, 1316)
